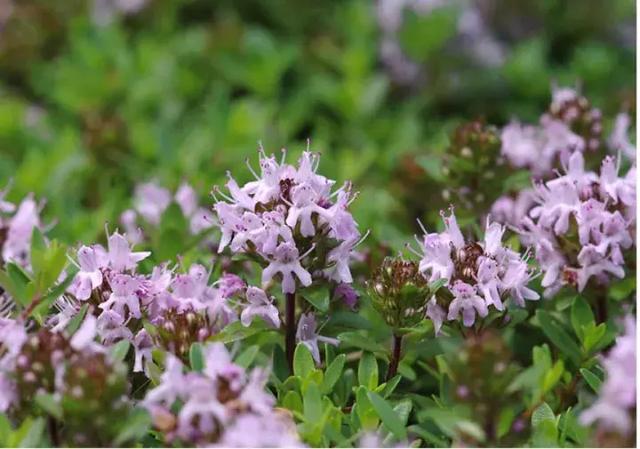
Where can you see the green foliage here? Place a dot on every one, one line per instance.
(183, 91)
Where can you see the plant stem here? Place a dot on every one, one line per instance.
(290, 323)
(53, 431)
(395, 356)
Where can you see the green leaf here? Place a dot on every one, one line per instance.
(38, 250)
(388, 416)
(368, 371)
(592, 380)
(303, 363)
(137, 425)
(318, 297)
(332, 373)
(246, 357)
(545, 434)
(49, 405)
(364, 409)
(552, 376)
(76, 321)
(292, 401)
(29, 434)
(312, 404)
(120, 350)
(196, 359)
(592, 335)
(581, 316)
(361, 342)
(5, 430)
(558, 336)
(51, 296)
(237, 331)
(542, 413)
(422, 35)
(391, 385)
(505, 420)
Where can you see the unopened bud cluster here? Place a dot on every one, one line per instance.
(399, 292)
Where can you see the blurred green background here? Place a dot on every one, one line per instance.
(98, 95)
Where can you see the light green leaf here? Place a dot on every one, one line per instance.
(388, 416)
(303, 363)
(196, 358)
(368, 371)
(332, 373)
(542, 413)
(312, 404)
(120, 350)
(247, 356)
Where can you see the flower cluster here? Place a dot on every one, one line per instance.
(289, 217)
(77, 373)
(612, 409)
(151, 201)
(222, 406)
(582, 223)
(570, 125)
(183, 307)
(477, 274)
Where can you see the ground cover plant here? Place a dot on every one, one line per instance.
(323, 224)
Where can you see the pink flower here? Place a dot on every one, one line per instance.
(90, 276)
(151, 201)
(259, 305)
(123, 296)
(120, 256)
(466, 300)
(286, 262)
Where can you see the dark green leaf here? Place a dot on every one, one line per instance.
(558, 336)
(592, 380)
(581, 316)
(137, 425)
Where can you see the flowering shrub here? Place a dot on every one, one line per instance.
(162, 284)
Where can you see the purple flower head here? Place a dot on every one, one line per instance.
(283, 206)
(210, 405)
(123, 296)
(478, 274)
(602, 211)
